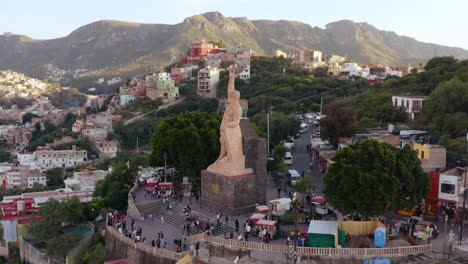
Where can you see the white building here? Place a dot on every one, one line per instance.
(22, 178)
(412, 104)
(351, 69)
(102, 120)
(208, 79)
(5, 167)
(85, 180)
(245, 74)
(95, 133)
(25, 158)
(49, 159)
(125, 99)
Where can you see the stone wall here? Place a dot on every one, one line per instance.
(212, 253)
(255, 158)
(29, 254)
(119, 246)
(230, 195)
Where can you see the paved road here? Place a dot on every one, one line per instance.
(301, 160)
(138, 117)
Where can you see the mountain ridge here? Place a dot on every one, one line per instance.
(114, 47)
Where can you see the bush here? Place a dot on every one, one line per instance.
(40, 245)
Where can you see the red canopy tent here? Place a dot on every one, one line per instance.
(256, 217)
(266, 223)
(318, 199)
(262, 209)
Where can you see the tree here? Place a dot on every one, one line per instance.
(59, 246)
(448, 98)
(190, 140)
(304, 186)
(73, 209)
(4, 155)
(221, 44)
(440, 62)
(339, 122)
(281, 126)
(114, 188)
(27, 118)
(55, 177)
(368, 176)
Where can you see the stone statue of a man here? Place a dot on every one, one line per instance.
(231, 160)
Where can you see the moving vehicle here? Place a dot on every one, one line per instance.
(304, 128)
(293, 177)
(287, 159)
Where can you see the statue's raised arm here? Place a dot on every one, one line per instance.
(232, 78)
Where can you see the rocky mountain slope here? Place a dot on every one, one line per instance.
(111, 48)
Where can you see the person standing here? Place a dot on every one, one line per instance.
(237, 226)
(226, 219)
(197, 247)
(162, 218)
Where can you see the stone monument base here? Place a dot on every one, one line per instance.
(228, 195)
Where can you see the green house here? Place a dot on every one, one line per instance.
(323, 234)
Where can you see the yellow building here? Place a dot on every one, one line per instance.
(432, 157)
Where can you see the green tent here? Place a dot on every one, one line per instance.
(323, 234)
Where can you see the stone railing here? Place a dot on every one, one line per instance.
(311, 251)
(364, 252)
(132, 210)
(146, 248)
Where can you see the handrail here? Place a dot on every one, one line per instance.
(363, 252)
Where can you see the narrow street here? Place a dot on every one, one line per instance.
(301, 160)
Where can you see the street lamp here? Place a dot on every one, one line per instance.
(445, 231)
(465, 193)
(296, 207)
(270, 109)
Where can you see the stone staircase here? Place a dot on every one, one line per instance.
(460, 260)
(177, 218)
(420, 258)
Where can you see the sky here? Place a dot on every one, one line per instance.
(435, 21)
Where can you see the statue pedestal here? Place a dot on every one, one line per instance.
(229, 195)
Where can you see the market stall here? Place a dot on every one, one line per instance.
(280, 206)
(269, 225)
(262, 209)
(257, 217)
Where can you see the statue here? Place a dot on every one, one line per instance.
(231, 160)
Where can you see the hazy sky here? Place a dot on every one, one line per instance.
(442, 22)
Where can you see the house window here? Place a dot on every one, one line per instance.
(447, 188)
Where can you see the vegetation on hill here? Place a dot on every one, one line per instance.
(190, 141)
(143, 128)
(149, 45)
(47, 132)
(444, 115)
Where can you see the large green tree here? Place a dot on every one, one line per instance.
(447, 103)
(339, 122)
(368, 176)
(55, 177)
(113, 189)
(190, 140)
(281, 126)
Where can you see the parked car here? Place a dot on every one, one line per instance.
(293, 177)
(287, 159)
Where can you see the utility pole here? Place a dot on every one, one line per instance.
(165, 165)
(137, 144)
(465, 193)
(296, 205)
(268, 134)
(320, 120)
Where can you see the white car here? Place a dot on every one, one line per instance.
(287, 159)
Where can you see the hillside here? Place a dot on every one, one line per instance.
(112, 48)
